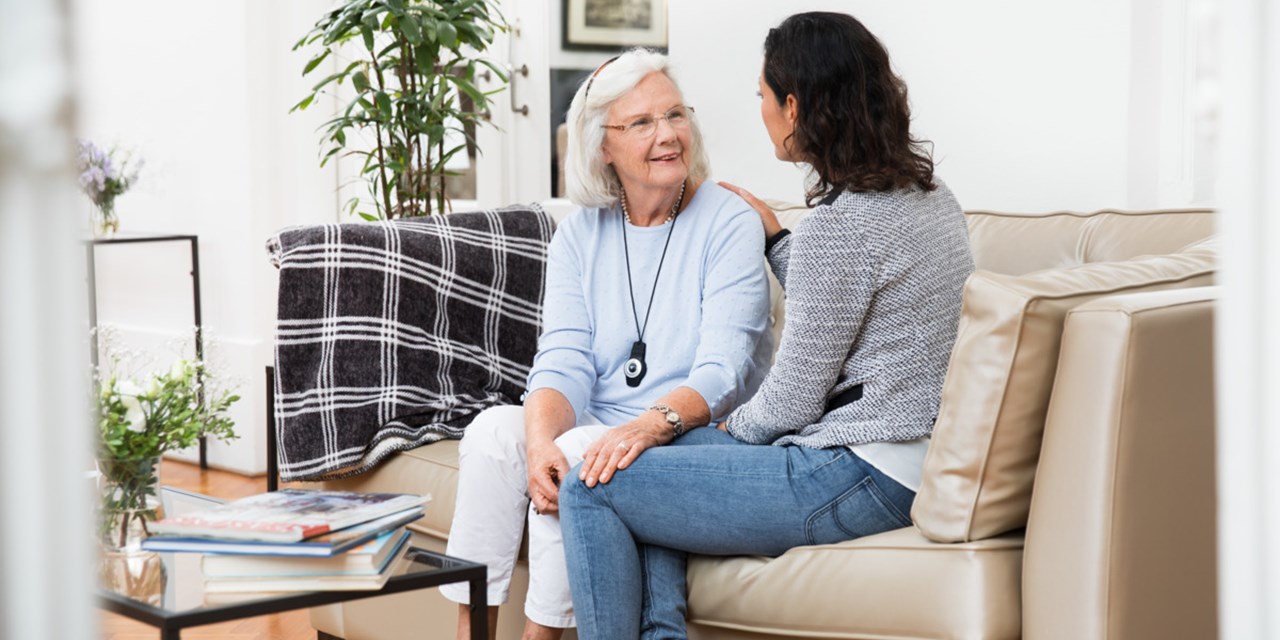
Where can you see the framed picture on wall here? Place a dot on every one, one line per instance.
(614, 24)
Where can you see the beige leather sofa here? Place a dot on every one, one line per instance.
(1069, 488)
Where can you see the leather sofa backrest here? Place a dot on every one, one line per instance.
(1018, 243)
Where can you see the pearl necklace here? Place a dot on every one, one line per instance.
(675, 208)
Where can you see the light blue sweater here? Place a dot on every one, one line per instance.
(708, 327)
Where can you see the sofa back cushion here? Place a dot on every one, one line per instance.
(978, 474)
(1019, 243)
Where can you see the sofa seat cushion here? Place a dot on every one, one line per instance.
(893, 585)
(982, 458)
(432, 469)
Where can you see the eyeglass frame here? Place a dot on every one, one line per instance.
(666, 116)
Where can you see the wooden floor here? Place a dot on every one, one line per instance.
(293, 625)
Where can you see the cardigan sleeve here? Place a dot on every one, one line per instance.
(778, 253)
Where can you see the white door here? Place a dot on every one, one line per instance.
(519, 161)
(514, 161)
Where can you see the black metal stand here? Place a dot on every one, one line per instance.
(273, 470)
(91, 255)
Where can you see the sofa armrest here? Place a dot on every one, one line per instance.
(1121, 539)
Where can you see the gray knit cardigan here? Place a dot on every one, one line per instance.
(873, 287)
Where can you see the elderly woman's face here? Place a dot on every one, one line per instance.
(648, 159)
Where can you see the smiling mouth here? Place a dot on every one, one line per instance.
(667, 158)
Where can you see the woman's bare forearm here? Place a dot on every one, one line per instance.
(547, 414)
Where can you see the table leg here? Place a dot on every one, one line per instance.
(168, 633)
(479, 608)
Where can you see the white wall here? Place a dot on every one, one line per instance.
(1028, 103)
(205, 102)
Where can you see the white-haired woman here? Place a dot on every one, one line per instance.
(654, 322)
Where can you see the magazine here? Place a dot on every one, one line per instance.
(288, 515)
(324, 545)
(364, 560)
(392, 565)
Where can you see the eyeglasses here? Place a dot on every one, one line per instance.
(645, 126)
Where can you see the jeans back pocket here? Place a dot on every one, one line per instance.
(861, 511)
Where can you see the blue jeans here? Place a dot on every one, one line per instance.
(626, 541)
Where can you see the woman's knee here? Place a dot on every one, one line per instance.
(572, 489)
(495, 431)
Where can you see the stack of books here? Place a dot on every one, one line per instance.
(294, 540)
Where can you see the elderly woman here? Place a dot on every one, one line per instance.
(654, 322)
(832, 445)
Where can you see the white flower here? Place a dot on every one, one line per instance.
(134, 414)
(179, 369)
(128, 388)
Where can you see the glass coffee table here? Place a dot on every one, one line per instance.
(175, 599)
(166, 590)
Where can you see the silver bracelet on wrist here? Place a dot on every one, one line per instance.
(671, 416)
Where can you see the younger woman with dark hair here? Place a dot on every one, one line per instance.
(831, 446)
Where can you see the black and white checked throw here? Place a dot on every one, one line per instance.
(393, 335)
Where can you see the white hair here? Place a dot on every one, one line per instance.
(589, 182)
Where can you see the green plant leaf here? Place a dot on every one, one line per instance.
(475, 94)
(412, 31)
(498, 71)
(306, 102)
(447, 34)
(369, 217)
(366, 32)
(360, 81)
(325, 160)
(327, 79)
(372, 13)
(384, 104)
(315, 62)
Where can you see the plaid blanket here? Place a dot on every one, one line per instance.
(394, 335)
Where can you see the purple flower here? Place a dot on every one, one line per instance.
(104, 174)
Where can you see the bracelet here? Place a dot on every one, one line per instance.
(672, 417)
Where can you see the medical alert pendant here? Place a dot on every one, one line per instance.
(635, 368)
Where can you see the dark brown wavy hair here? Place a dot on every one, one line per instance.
(854, 123)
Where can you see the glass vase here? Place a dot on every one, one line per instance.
(139, 576)
(129, 502)
(105, 223)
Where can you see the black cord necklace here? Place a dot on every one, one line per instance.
(635, 367)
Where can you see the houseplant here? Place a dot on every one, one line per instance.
(105, 174)
(136, 425)
(412, 65)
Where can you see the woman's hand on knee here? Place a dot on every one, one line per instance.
(620, 446)
(547, 466)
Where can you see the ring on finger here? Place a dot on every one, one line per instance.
(624, 446)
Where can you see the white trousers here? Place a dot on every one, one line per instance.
(493, 505)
